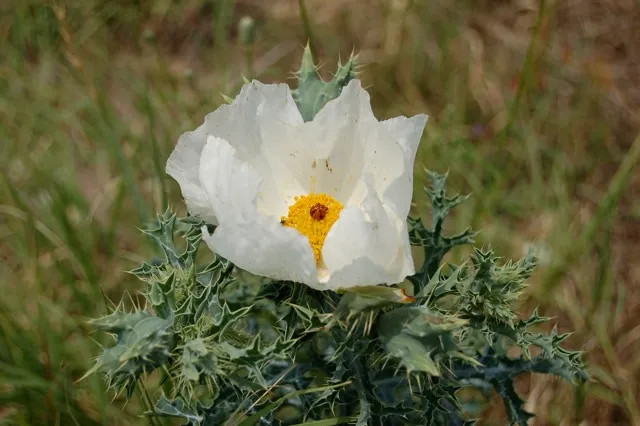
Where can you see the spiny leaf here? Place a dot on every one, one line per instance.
(494, 289)
(198, 357)
(143, 343)
(435, 244)
(496, 367)
(312, 93)
(358, 299)
(442, 285)
(178, 409)
(419, 337)
(255, 418)
(161, 231)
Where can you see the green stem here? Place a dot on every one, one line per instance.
(360, 383)
(155, 147)
(525, 76)
(146, 403)
(304, 15)
(254, 419)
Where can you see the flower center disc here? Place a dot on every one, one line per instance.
(313, 216)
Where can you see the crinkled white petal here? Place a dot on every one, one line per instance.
(183, 167)
(241, 124)
(349, 142)
(248, 124)
(254, 242)
(407, 132)
(405, 258)
(336, 136)
(361, 272)
(364, 234)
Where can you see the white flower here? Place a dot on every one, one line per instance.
(323, 202)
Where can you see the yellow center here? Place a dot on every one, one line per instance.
(313, 215)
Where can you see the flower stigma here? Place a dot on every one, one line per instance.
(313, 216)
(318, 211)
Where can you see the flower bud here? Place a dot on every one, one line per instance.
(247, 30)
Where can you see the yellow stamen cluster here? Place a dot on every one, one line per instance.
(313, 215)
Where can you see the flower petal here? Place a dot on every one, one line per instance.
(254, 242)
(366, 231)
(403, 265)
(248, 124)
(236, 122)
(407, 132)
(183, 165)
(326, 153)
(363, 271)
(240, 125)
(360, 272)
(351, 143)
(336, 136)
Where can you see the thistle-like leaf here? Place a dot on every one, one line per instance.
(178, 409)
(491, 294)
(143, 343)
(559, 361)
(435, 244)
(312, 93)
(359, 299)
(162, 231)
(420, 338)
(198, 358)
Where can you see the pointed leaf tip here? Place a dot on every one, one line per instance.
(308, 67)
(312, 93)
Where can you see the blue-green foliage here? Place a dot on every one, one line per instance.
(143, 343)
(245, 350)
(313, 93)
(236, 349)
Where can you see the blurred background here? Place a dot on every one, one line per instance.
(534, 108)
